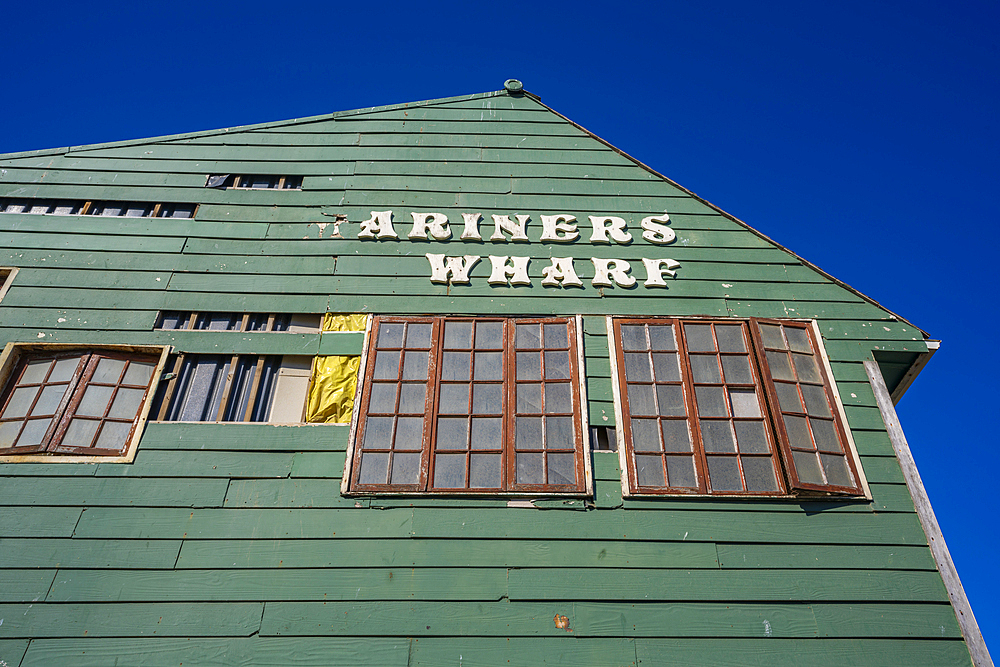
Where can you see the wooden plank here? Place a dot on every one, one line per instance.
(220, 652)
(231, 282)
(903, 621)
(64, 323)
(95, 491)
(536, 619)
(121, 226)
(235, 342)
(164, 463)
(361, 583)
(521, 652)
(168, 523)
(119, 261)
(66, 241)
(73, 552)
(103, 279)
(54, 469)
(245, 437)
(286, 493)
(405, 552)
(882, 470)
(38, 521)
(204, 619)
(341, 343)
(25, 585)
(324, 465)
(814, 556)
(12, 651)
(724, 585)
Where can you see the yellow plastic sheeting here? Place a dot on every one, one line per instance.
(344, 322)
(331, 394)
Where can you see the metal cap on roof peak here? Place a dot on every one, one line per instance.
(513, 86)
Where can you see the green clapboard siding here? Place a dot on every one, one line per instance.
(225, 544)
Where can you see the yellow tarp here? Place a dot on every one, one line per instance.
(344, 322)
(331, 394)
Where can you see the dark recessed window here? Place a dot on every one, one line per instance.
(254, 182)
(114, 209)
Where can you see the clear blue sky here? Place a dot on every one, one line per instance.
(861, 135)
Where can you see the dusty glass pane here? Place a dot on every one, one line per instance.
(634, 337)
(386, 365)
(671, 400)
(780, 368)
(737, 370)
(127, 402)
(555, 336)
(414, 366)
(637, 367)
(528, 336)
(640, 399)
(826, 435)
(807, 467)
(449, 471)
(788, 397)
(645, 435)
(95, 401)
(649, 470)
(486, 432)
(705, 369)
(528, 433)
(680, 472)
(405, 469)
(798, 432)
(418, 335)
(489, 366)
(529, 468)
(529, 365)
(661, 337)
(529, 398)
(816, 403)
(452, 433)
(374, 468)
(744, 402)
(64, 369)
(489, 335)
(751, 438)
(412, 399)
(113, 435)
(34, 431)
(798, 339)
(665, 367)
(699, 338)
(724, 473)
(759, 474)
(837, 472)
(138, 374)
(8, 432)
(409, 432)
(108, 371)
(717, 436)
(454, 399)
(487, 399)
(730, 337)
(562, 469)
(81, 433)
(456, 365)
(559, 433)
(484, 471)
(676, 437)
(806, 368)
(34, 371)
(771, 335)
(383, 400)
(20, 402)
(557, 365)
(458, 335)
(558, 397)
(711, 401)
(378, 433)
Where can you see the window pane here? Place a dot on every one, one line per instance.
(562, 469)
(745, 402)
(95, 400)
(711, 401)
(528, 336)
(454, 399)
(798, 432)
(390, 334)
(751, 438)
(837, 472)
(113, 435)
(730, 337)
(661, 337)
(529, 433)
(737, 370)
(788, 397)
(640, 399)
(759, 474)
(637, 367)
(717, 436)
(806, 368)
(489, 335)
(699, 338)
(671, 400)
(649, 470)
(489, 366)
(81, 433)
(798, 339)
(405, 469)
(487, 399)
(557, 365)
(8, 432)
(771, 335)
(555, 336)
(20, 402)
(458, 335)
(529, 365)
(484, 471)
(680, 472)
(414, 365)
(138, 374)
(559, 433)
(383, 398)
(64, 369)
(676, 437)
(816, 403)
(374, 468)
(826, 435)
(558, 397)
(665, 367)
(34, 371)
(34, 432)
(409, 432)
(378, 432)
(529, 468)
(705, 368)
(780, 368)
(108, 371)
(412, 399)
(529, 398)
(418, 335)
(449, 471)
(127, 402)
(386, 365)
(807, 467)
(486, 432)
(634, 337)
(645, 435)
(456, 365)
(452, 433)
(724, 473)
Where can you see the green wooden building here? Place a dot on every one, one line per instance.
(453, 382)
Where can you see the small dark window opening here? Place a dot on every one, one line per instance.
(602, 439)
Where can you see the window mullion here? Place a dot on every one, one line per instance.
(433, 394)
(687, 382)
(72, 397)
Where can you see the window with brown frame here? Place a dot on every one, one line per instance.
(470, 405)
(77, 402)
(729, 407)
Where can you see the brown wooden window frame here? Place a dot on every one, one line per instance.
(51, 448)
(431, 456)
(782, 451)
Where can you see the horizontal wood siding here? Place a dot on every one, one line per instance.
(231, 543)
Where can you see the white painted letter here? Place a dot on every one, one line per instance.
(606, 269)
(609, 223)
(471, 231)
(380, 225)
(518, 271)
(562, 272)
(457, 267)
(435, 223)
(503, 224)
(656, 232)
(553, 224)
(657, 268)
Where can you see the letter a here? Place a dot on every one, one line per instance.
(379, 225)
(561, 273)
